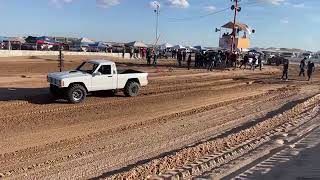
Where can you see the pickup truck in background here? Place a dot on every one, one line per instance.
(95, 75)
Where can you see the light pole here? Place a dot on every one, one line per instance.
(236, 9)
(157, 12)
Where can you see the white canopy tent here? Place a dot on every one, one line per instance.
(86, 41)
(137, 44)
(178, 47)
(165, 46)
(191, 48)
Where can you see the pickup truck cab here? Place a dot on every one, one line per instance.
(95, 75)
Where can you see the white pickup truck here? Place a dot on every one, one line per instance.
(95, 75)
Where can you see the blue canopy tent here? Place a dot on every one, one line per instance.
(2, 38)
(98, 46)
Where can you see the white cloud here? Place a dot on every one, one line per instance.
(59, 3)
(210, 8)
(154, 4)
(298, 5)
(284, 21)
(274, 2)
(107, 3)
(178, 3)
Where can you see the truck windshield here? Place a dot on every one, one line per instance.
(87, 67)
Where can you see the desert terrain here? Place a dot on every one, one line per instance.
(180, 117)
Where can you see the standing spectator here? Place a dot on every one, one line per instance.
(227, 57)
(216, 59)
(245, 61)
(179, 57)
(155, 57)
(302, 67)
(311, 69)
(189, 61)
(123, 52)
(260, 62)
(148, 54)
(223, 60)
(136, 53)
(184, 55)
(144, 53)
(196, 59)
(253, 64)
(285, 69)
(173, 53)
(131, 52)
(141, 53)
(233, 60)
(210, 63)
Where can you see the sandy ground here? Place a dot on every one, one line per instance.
(106, 136)
(299, 161)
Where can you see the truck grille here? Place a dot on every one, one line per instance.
(53, 81)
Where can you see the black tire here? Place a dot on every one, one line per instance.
(132, 89)
(76, 93)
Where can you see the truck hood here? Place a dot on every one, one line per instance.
(68, 74)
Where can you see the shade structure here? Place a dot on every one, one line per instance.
(2, 38)
(117, 45)
(165, 46)
(240, 26)
(86, 41)
(137, 44)
(178, 47)
(191, 48)
(17, 39)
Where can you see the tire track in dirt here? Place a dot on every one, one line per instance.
(180, 88)
(6, 119)
(158, 86)
(149, 123)
(186, 155)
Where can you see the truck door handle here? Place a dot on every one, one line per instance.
(109, 76)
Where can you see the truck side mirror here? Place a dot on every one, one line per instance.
(96, 74)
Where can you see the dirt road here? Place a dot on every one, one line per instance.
(109, 136)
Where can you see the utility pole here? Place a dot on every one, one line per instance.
(236, 9)
(157, 11)
(61, 58)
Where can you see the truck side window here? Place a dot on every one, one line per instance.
(105, 70)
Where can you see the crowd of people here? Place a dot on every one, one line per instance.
(217, 60)
(303, 66)
(150, 54)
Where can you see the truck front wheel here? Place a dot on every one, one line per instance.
(132, 89)
(76, 93)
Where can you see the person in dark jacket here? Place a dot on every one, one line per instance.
(285, 69)
(211, 60)
(184, 55)
(148, 54)
(310, 69)
(179, 58)
(260, 62)
(302, 67)
(245, 61)
(189, 61)
(123, 52)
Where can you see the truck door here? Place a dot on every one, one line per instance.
(104, 81)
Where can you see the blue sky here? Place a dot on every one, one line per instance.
(278, 23)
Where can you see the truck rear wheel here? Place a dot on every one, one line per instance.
(76, 93)
(131, 89)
